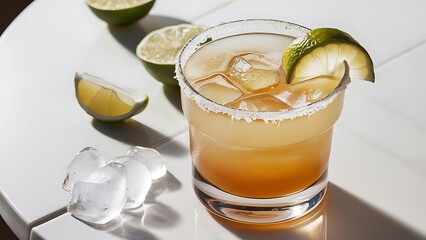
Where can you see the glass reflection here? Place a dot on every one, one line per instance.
(312, 226)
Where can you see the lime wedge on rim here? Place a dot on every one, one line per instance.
(321, 52)
(105, 101)
(160, 48)
(120, 12)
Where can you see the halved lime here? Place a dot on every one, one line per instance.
(321, 52)
(159, 49)
(120, 12)
(105, 101)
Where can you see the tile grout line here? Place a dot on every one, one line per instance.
(385, 63)
(46, 218)
(410, 165)
(168, 139)
(212, 10)
(403, 53)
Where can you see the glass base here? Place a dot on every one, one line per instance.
(259, 210)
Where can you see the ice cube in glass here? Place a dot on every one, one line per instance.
(260, 103)
(313, 89)
(218, 88)
(254, 72)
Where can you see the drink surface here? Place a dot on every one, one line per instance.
(256, 159)
(244, 72)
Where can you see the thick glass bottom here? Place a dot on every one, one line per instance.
(259, 210)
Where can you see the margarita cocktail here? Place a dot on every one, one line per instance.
(260, 145)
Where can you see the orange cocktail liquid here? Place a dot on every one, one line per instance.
(256, 158)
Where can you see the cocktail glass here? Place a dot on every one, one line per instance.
(257, 167)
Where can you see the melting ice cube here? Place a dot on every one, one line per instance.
(292, 99)
(308, 91)
(254, 72)
(87, 161)
(101, 197)
(206, 62)
(138, 181)
(260, 103)
(152, 160)
(218, 89)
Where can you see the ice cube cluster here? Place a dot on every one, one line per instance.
(101, 189)
(245, 84)
(252, 82)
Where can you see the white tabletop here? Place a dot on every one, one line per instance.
(378, 164)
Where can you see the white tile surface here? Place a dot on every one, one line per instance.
(386, 29)
(398, 125)
(187, 9)
(380, 140)
(378, 154)
(44, 126)
(378, 178)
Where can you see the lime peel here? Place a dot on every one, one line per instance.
(320, 45)
(120, 12)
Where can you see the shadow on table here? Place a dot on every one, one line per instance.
(132, 223)
(340, 216)
(157, 214)
(130, 36)
(173, 96)
(134, 133)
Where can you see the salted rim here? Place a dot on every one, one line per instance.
(249, 26)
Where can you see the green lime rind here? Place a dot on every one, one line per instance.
(121, 17)
(163, 73)
(314, 39)
(159, 49)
